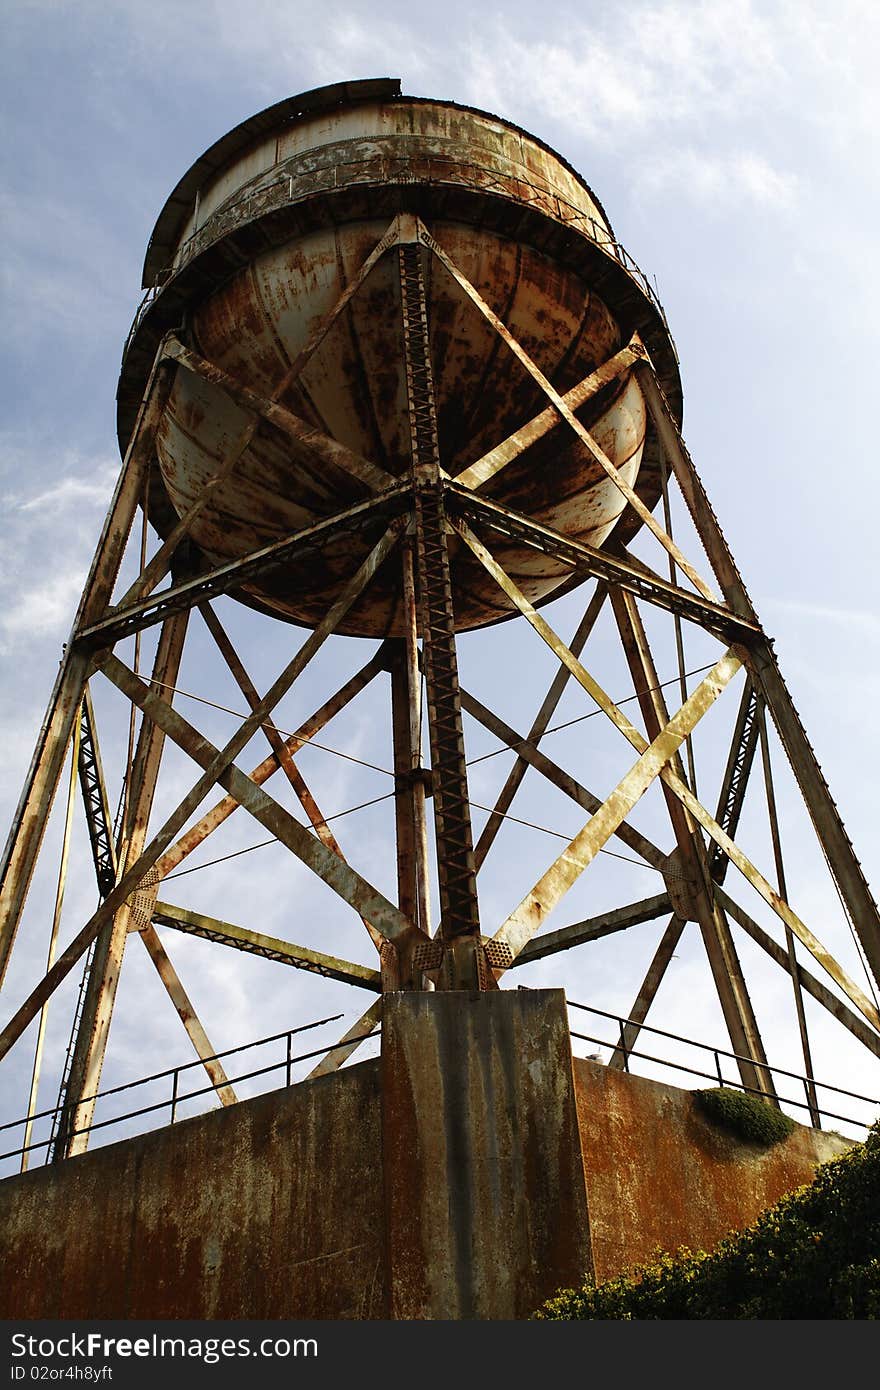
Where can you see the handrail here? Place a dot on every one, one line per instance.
(176, 1098)
(627, 1051)
(569, 214)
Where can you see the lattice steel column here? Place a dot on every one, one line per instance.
(94, 794)
(464, 965)
(736, 776)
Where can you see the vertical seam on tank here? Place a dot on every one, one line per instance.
(258, 296)
(495, 350)
(318, 418)
(575, 341)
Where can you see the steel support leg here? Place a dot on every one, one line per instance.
(727, 973)
(32, 814)
(91, 1042)
(845, 867)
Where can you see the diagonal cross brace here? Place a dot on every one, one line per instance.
(526, 919)
(683, 792)
(567, 414)
(516, 443)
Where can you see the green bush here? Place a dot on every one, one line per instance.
(746, 1116)
(815, 1254)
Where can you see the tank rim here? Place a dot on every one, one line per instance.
(289, 111)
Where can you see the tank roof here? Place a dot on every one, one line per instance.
(163, 241)
(164, 238)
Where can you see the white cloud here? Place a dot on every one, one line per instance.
(633, 71)
(70, 491)
(860, 620)
(45, 608)
(48, 538)
(720, 180)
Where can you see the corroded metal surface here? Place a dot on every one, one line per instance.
(452, 1179)
(659, 1175)
(267, 1209)
(254, 285)
(485, 1208)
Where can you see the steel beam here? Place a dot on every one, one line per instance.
(339, 876)
(188, 1016)
(526, 919)
(95, 800)
(352, 1039)
(567, 414)
(648, 992)
(532, 757)
(736, 776)
(605, 924)
(512, 783)
(329, 451)
(104, 856)
(53, 942)
(222, 810)
(682, 791)
(515, 444)
(464, 964)
(277, 744)
(268, 947)
(413, 738)
(32, 813)
(730, 985)
(613, 568)
(222, 759)
(770, 793)
(134, 617)
(851, 1021)
(91, 1042)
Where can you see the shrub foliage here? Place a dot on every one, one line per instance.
(815, 1254)
(748, 1117)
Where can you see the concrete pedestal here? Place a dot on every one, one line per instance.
(485, 1201)
(449, 1179)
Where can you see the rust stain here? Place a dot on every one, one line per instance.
(233, 1214)
(254, 321)
(658, 1174)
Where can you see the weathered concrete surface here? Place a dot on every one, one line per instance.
(486, 1212)
(659, 1174)
(269, 1209)
(451, 1179)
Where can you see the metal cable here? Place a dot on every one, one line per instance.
(286, 733)
(554, 728)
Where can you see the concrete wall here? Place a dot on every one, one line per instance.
(485, 1201)
(269, 1209)
(450, 1179)
(659, 1174)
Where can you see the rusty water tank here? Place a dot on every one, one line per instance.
(254, 247)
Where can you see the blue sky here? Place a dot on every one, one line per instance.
(731, 144)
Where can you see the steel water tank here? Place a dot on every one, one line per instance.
(255, 246)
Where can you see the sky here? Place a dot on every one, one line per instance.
(730, 144)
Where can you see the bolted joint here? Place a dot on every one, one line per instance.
(418, 777)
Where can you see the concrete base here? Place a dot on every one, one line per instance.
(486, 1210)
(451, 1179)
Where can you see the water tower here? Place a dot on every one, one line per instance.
(395, 378)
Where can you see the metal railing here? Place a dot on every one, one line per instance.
(176, 1098)
(255, 192)
(627, 1051)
